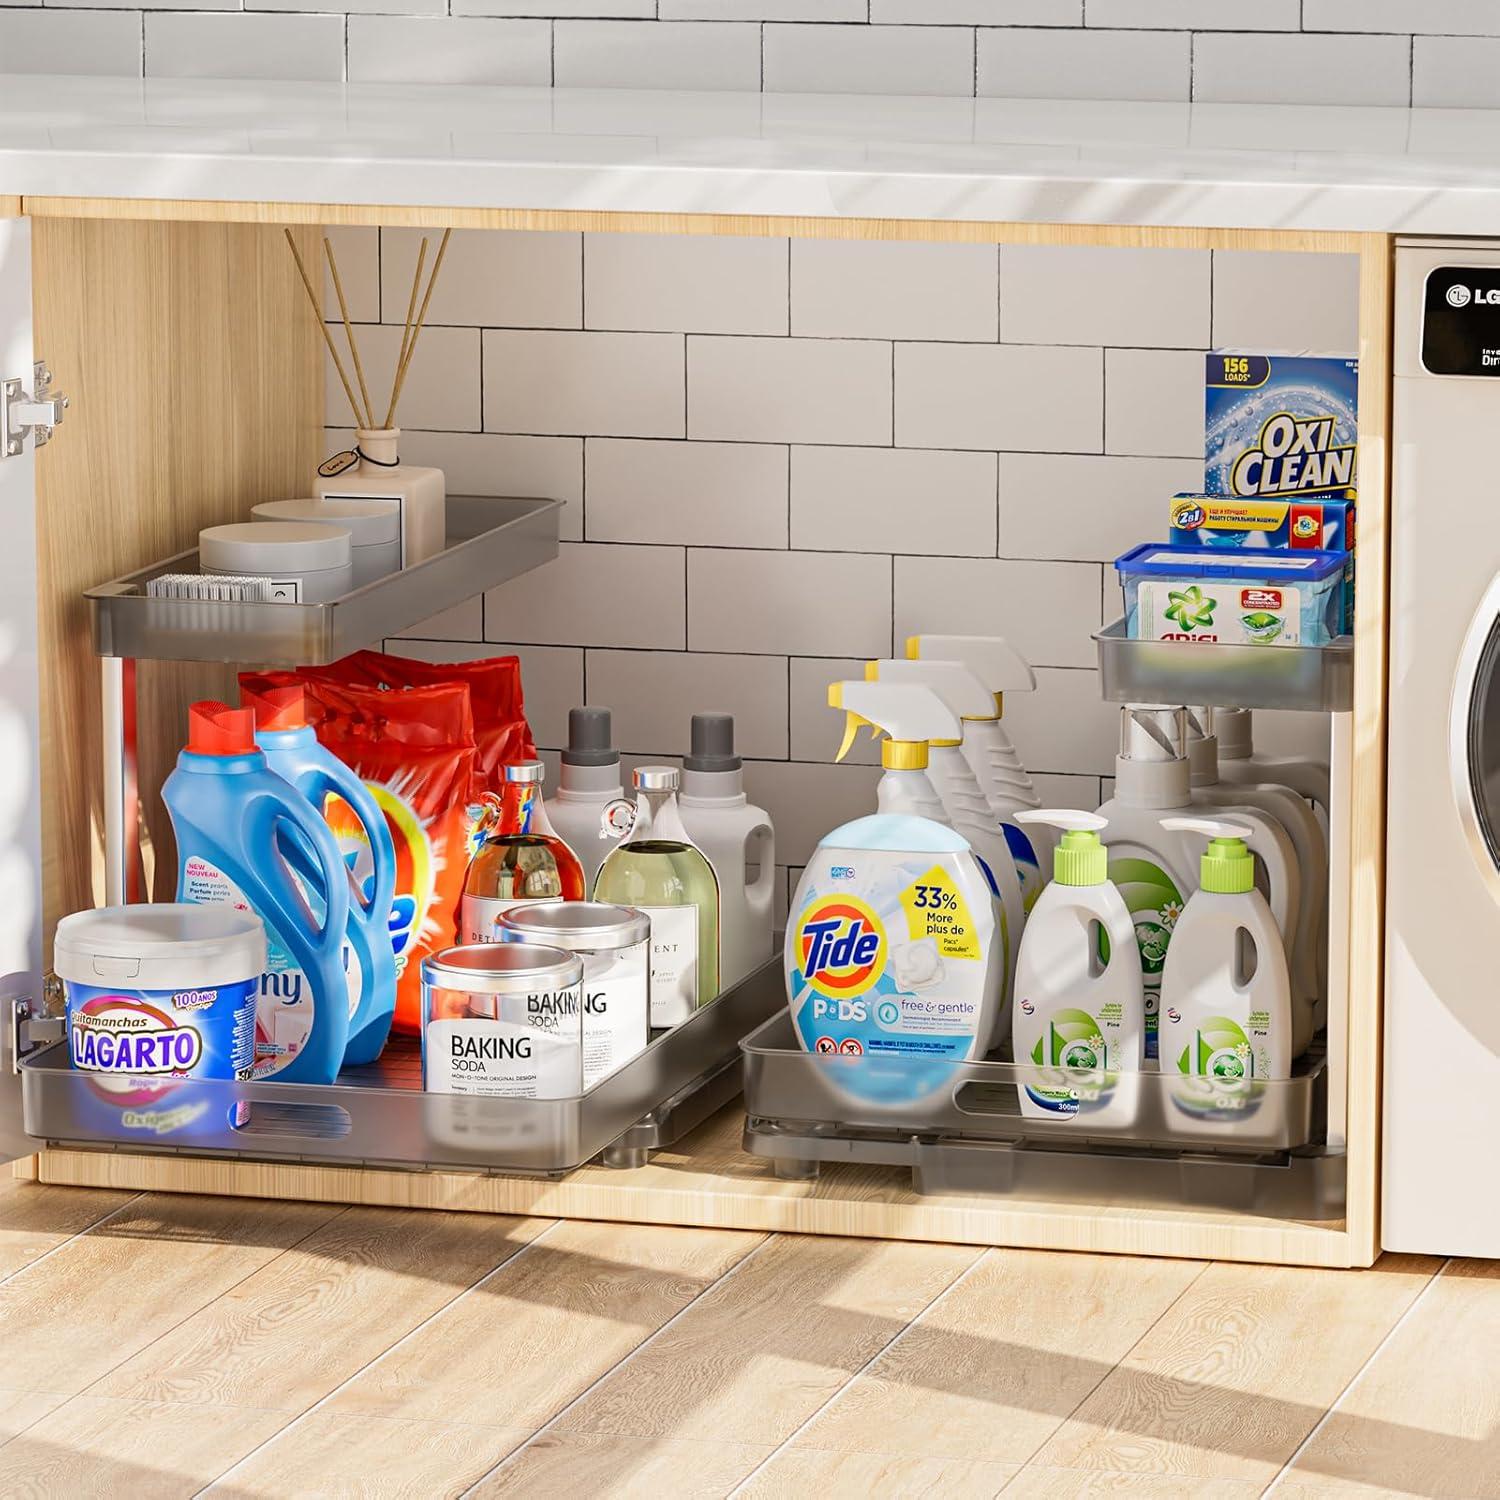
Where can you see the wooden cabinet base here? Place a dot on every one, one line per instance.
(709, 1181)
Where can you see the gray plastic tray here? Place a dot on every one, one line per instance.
(490, 539)
(1320, 678)
(379, 1116)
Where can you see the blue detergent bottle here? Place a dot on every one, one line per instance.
(236, 822)
(292, 750)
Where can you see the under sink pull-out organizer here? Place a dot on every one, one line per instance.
(379, 1116)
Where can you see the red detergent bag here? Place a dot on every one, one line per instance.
(501, 732)
(415, 750)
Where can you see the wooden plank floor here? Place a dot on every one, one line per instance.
(164, 1345)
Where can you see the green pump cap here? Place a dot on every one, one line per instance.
(1079, 859)
(1226, 868)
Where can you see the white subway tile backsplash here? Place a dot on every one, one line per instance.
(890, 289)
(893, 500)
(762, 10)
(1303, 69)
(489, 463)
(656, 55)
(685, 283)
(1199, 15)
(1047, 610)
(531, 280)
(462, 622)
(1083, 294)
(806, 801)
(1051, 64)
(627, 596)
(869, 60)
(1064, 725)
(612, 384)
(816, 729)
(1268, 300)
(1058, 789)
(1066, 505)
(357, 250)
(979, 12)
(349, 7)
(1435, 17)
(700, 494)
(1153, 402)
(98, 43)
(235, 45)
(764, 390)
(1006, 396)
(442, 381)
(654, 694)
(1456, 72)
(789, 603)
(557, 9)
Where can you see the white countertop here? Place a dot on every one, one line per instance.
(1059, 161)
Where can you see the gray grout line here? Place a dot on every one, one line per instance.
(619, 1365)
(1353, 1381)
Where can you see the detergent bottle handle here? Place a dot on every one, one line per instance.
(265, 815)
(1268, 839)
(761, 844)
(377, 833)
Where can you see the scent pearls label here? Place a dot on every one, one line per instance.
(674, 963)
(616, 1018)
(533, 1051)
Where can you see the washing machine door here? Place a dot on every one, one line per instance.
(1474, 737)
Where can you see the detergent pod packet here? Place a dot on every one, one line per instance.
(415, 749)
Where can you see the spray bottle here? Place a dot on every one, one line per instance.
(988, 749)
(965, 804)
(1080, 1001)
(1227, 1008)
(1155, 867)
(893, 947)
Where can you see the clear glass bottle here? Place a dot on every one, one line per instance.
(520, 860)
(660, 871)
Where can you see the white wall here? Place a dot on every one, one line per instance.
(782, 458)
(1426, 52)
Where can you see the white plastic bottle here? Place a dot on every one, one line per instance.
(1239, 761)
(966, 806)
(737, 838)
(892, 951)
(988, 748)
(1156, 868)
(1226, 994)
(1079, 1021)
(1309, 960)
(589, 812)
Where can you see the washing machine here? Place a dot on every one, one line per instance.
(1442, 991)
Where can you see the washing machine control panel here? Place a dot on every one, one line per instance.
(1461, 321)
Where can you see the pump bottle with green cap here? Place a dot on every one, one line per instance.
(893, 948)
(1226, 997)
(1079, 1021)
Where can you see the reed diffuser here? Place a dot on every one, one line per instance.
(373, 470)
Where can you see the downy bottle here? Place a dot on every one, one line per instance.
(893, 952)
(966, 806)
(1309, 960)
(737, 838)
(659, 870)
(292, 750)
(989, 751)
(589, 811)
(1155, 868)
(1226, 995)
(1079, 1022)
(235, 820)
(520, 859)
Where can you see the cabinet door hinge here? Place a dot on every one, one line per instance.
(21, 412)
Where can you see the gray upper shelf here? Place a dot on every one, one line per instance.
(490, 540)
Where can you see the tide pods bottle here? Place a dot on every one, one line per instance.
(292, 750)
(235, 819)
(1079, 1020)
(1226, 995)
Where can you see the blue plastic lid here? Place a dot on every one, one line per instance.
(1285, 565)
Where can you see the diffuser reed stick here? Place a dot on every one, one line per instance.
(416, 332)
(411, 311)
(312, 297)
(359, 369)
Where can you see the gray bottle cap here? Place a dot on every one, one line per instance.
(713, 744)
(589, 738)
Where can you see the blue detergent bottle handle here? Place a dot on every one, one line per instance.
(295, 754)
(227, 806)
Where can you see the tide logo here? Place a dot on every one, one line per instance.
(842, 946)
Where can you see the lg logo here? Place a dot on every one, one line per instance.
(1462, 296)
(1459, 296)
